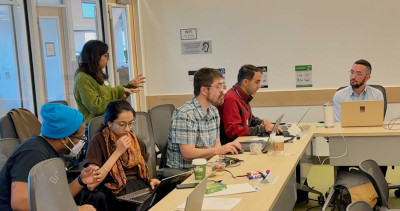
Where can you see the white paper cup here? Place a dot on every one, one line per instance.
(278, 143)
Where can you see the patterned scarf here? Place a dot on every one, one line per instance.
(131, 158)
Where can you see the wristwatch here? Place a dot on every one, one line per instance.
(81, 182)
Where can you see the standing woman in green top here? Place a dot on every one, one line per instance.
(92, 91)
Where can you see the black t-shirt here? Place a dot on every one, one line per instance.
(17, 167)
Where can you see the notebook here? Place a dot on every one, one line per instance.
(194, 201)
(166, 186)
(362, 113)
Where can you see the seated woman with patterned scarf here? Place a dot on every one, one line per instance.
(119, 157)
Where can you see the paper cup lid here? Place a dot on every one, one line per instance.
(199, 161)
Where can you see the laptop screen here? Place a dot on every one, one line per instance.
(194, 201)
(276, 126)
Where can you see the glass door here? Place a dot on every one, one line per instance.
(123, 67)
(53, 53)
(15, 86)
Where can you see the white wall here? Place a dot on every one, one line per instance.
(330, 35)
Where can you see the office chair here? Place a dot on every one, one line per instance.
(144, 130)
(359, 206)
(19, 123)
(382, 89)
(94, 127)
(161, 121)
(371, 169)
(7, 147)
(48, 187)
(7, 128)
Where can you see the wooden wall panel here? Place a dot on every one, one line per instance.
(275, 98)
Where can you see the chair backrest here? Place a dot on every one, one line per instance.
(94, 126)
(48, 187)
(144, 131)
(7, 128)
(161, 121)
(359, 206)
(21, 121)
(7, 147)
(382, 89)
(63, 102)
(374, 173)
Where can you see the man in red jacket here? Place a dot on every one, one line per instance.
(236, 116)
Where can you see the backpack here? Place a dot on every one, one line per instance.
(354, 185)
(343, 198)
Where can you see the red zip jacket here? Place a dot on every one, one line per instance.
(236, 116)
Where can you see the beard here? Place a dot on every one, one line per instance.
(217, 102)
(356, 85)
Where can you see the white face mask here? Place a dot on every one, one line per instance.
(76, 148)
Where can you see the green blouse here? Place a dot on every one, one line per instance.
(93, 98)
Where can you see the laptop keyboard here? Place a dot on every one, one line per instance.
(143, 197)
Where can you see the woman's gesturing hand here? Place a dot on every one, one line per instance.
(138, 81)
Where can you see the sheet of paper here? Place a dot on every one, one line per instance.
(271, 179)
(217, 203)
(234, 189)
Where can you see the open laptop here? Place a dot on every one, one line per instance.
(362, 113)
(194, 201)
(164, 188)
(265, 143)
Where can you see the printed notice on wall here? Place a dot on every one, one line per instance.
(191, 74)
(196, 47)
(50, 49)
(303, 75)
(189, 34)
(264, 78)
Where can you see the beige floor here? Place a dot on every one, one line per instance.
(321, 178)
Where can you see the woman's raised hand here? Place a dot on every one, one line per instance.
(138, 81)
(123, 144)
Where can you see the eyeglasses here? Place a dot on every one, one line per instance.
(218, 86)
(107, 55)
(358, 74)
(83, 138)
(123, 125)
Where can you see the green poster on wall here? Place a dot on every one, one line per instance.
(303, 75)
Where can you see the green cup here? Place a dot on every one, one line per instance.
(199, 168)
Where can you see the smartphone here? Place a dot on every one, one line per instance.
(187, 185)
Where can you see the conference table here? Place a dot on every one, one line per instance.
(347, 147)
(278, 196)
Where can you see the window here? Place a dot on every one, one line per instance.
(88, 10)
(49, 1)
(15, 89)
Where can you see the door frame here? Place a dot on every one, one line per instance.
(37, 50)
(132, 45)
